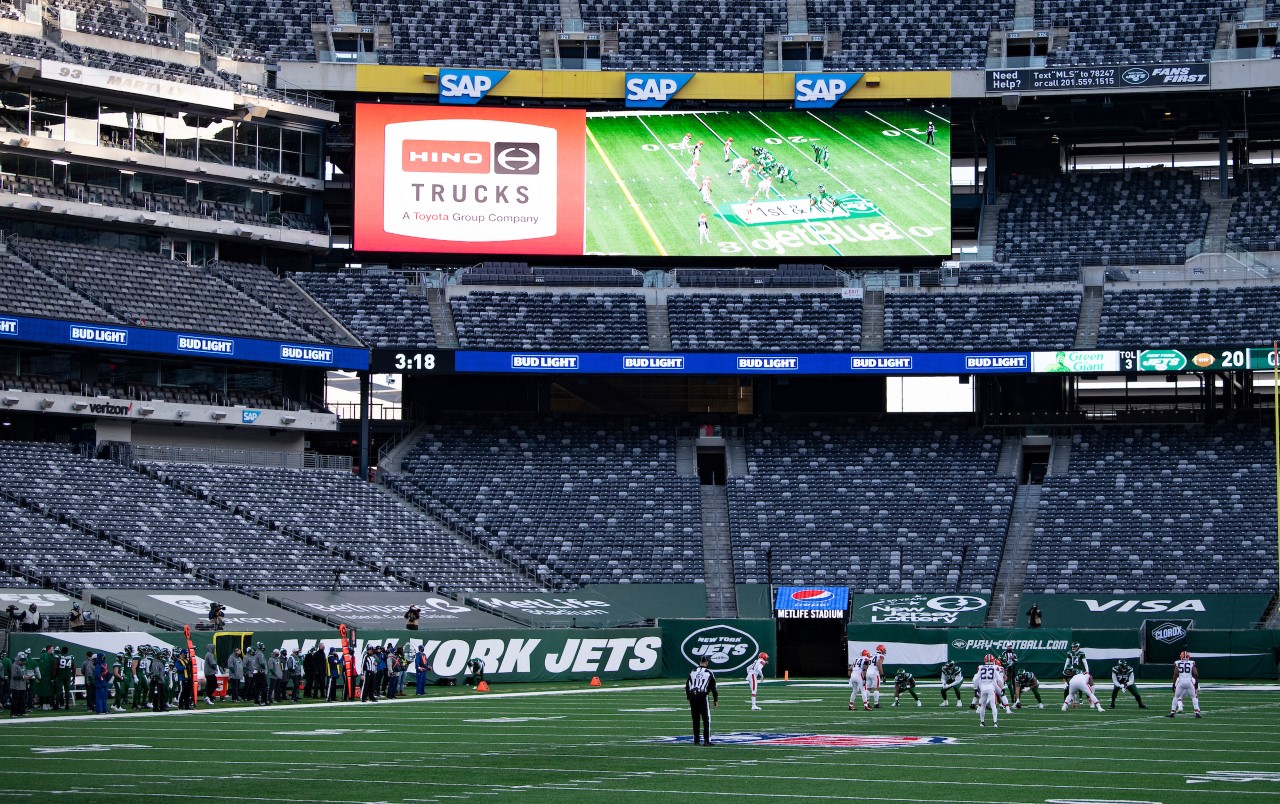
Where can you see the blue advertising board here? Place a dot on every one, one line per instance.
(811, 602)
(184, 344)
(828, 363)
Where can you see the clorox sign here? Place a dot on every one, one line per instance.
(653, 90)
(467, 86)
(761, 738)
(823, 90)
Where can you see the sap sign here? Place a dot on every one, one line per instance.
(467, 86)
(249, 416)
(653, 90)
(822, 90)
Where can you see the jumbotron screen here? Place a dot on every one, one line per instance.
(836, 183)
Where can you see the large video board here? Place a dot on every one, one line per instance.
(779, 184)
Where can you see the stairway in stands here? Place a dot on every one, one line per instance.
(717, 553)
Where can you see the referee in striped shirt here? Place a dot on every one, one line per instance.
(700, 684)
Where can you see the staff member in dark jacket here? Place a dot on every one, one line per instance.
(700, 684)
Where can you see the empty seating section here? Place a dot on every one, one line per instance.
(138, 65)
(912, 507)
(581, 501)
(378, 308)
(1134, 216)
(106, 18)
(153, 291)
(492, 34)
(992, 320)
(1207, 316)
(37, 546)
(27, 47)
(709, 35)
(255, 30)
(149, 516)
(811, 322)
(488, 319)
(936, 34)
(1159, 509)
(519, 273)
(29, 291)
(1256, 210)
(339, 510)
(784, 276)
(279, 296)
(1138, 31)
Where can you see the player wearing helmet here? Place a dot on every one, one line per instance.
(1003, 678)
(119, 692)
(1026, 680)
(1186, 681)
(952, 678)
(858, 680)
(987, 680)
(755, 674)
(875, 671)
(1080, 684)
(904, 682)
(1122, 679)
(1076, 661)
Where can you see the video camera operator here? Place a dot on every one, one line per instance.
(411, 617)
(216, 619)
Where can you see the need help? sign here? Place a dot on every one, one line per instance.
(822, 90)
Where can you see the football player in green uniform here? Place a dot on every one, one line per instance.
(119, 692)
(1122, 679)
(952, 678)
(1026, 680)
(904, 682)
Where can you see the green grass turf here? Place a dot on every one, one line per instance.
(596, 746)
(906, 178)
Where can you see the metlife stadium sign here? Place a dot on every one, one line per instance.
(811, 602)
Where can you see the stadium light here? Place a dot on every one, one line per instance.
(146, 410)
(218, 415)
(79, 405)
(288, 419)
(10, 401)
(45, 404)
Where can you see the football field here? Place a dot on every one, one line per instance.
(619, 743)
(878, 187)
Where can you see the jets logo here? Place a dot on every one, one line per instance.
(515, 157)
(1137, 76)
(956, 603)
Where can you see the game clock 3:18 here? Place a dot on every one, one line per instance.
(415, 361)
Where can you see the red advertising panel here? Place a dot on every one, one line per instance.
(473, 181)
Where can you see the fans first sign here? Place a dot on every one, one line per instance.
(492, 180)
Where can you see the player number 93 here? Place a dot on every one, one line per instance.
(415, 362)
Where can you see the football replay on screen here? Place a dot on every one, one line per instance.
(790, 183)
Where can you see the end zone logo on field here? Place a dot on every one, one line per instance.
(470, 181)
(822, 90)
(764, 738)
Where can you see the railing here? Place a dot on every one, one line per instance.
(1244, 53)
(217, 456)
(1237, 252)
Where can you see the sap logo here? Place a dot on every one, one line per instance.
(1169, 633)
(119, 337)
(823, 90)
(653, 90)
(1141, 606)
(8, 326)
(467, 86)
(249, 416)
(306, 354)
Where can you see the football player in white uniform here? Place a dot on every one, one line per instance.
(1001, 699)
(858, 680)
(1081, 683)
(755, 674)
(987, 680)
(1122, 679)
(952, 678)
(1186, 681)
(875, 671)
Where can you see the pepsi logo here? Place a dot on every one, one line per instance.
(812, 594)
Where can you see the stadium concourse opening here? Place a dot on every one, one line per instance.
(813, 647)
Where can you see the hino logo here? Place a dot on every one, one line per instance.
(1141, 606)
(515, 157)
(1169, 633)
(1136, 76)
(445, 156)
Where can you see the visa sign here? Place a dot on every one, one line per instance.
(467, 87)
(823, 90)
(653, 90)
